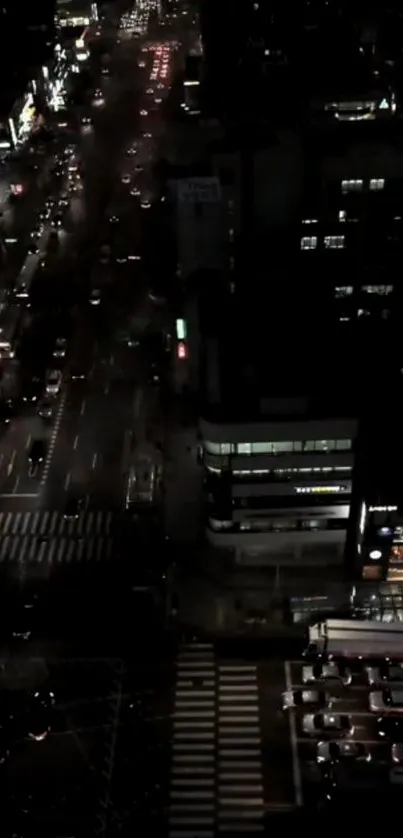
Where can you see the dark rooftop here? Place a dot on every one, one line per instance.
(260, 366)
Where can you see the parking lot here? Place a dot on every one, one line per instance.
(350, 701)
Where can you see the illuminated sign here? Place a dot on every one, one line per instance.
(383, 508)
(182, 351)
(319, 490)
(375, 555)
(363, 518)
(181, 331)
(74, 21)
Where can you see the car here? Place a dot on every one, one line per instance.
(36, 455)
(85, 120)
(126, 178)
(33, 249)
(113, 219)
(60, 347)
(393, 673)
(131, 151)
(32, 390)
(141, 63)
(135, 191)
(63, 199)
(77, 372)
(7, 411)
(145, 203)
(57, 220)
(143, 112)
(95, 297)
(330, 751)
(37, 232)
(396, 753)
(21, 292)
(390, 727)
(46, 409)
(38, 717)
(330, 671)
(304, 698)
(138, 168)
(53, 382)
(73, 508)
(386, 701)
(44, 215)
(327, 724)
(23, 617)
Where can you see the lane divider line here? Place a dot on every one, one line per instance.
(53, 440)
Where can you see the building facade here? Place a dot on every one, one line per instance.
(280, 490)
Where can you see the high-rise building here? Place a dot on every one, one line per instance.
(298, 370)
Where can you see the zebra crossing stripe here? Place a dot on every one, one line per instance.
(92, 523)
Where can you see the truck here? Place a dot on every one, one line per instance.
(355, 639)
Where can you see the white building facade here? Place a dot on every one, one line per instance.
(279, 491)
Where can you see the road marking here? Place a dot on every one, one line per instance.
(67, 481)
(11, 463)
(107, 388)
(28, 442)
(94, 460)
(296, 770)
(53, 439)
(75, 443)
(21, 495)
(82, 411)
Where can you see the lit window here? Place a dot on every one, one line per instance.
(342, 215)
(309, 242)
(376, 184)
(343, 291)
(351, 185)
(334, 242)
(381, 290)
(244, 448)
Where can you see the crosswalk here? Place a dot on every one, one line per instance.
(44, 536)
(46, 522)
(216, 766)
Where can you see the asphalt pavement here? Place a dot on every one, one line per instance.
(111, 713)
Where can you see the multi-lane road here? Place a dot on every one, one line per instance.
(92, 417)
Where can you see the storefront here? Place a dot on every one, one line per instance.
(380, 542)
(22, 121)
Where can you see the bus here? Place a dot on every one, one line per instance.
(142, 484)
(361, 639)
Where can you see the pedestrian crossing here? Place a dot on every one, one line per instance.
(44, 536)
(216, 783)
(45, 522)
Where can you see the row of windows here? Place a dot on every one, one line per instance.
(358, 184)
(291, 501)
(330, 242)
(296, 447)
(376, 290)
(268, 525)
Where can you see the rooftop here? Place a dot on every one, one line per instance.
(259, 366)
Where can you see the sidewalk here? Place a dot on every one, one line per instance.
(183, 487)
